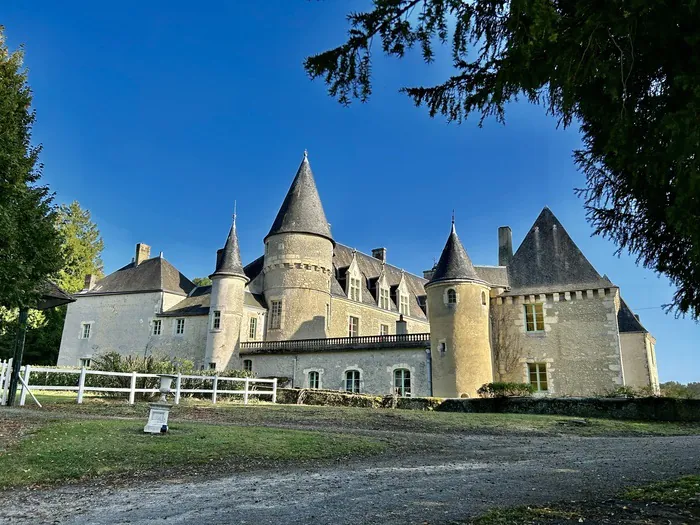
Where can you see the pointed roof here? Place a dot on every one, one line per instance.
(454, 263)
(549, 260)
(627, 321)
(302, 211)
(228, 260)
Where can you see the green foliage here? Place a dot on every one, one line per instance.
(201, 281)
(29, 244)
(503, 389)
(626, 72)
(681, 391)
(680, 491)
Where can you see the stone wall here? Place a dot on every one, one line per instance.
(376, 368)
(580, 345)
(371, 317)
(639, 361)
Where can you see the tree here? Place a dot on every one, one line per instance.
(201, 281)
(507, 344)
(29, 243)
(625, 71)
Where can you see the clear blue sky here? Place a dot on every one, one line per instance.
(156, 116)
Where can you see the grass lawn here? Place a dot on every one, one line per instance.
(63, 450)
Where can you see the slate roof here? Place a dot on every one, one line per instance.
(548, 260)
(454, 263)
(152, 275)
(302, 211)
(228, 260)
(51, 296)
(626, 321)
(198, 303)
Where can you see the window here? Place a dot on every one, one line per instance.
(328, 315)
(314, 380)
(216, 320)
(354, 289)
(534, 317)
(352, 381)
(383, 329)
(402, 382)
(483, 298)
(442, 347)
(451, 296)
(248, 365)
(353, 326)
(403, 304)
(253, 328)
(212, 366)
(276, 314)
(85, 362)
(157, 326)
(538, 376)
(384, 298)
(85, 329)
(179, 326)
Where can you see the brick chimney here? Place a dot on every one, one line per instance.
(379, 253)
(401, 326)
(143, 252)
(505, 246)
(90, 281)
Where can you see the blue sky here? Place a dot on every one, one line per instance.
(157, 117)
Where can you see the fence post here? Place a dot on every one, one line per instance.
(81, 384)
(132, 391)
(178, 381)
(245, 392)
(274, 390)
(214, 387)
(23, 395)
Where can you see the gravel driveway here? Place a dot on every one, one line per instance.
(468, 475)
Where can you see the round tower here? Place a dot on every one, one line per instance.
(458, 311)
(298, 263)
(226, 306)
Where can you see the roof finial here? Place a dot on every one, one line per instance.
(234, 212)
(453, 221)
(306, 153)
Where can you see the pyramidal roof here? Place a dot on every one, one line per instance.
(549, 260)
(228, 259)
(302, 211)
(454, 263)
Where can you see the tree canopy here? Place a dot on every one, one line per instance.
(201, 281)
(29, 243)
(626, 72)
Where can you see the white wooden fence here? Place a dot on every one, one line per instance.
(249, 384)
(5, 374)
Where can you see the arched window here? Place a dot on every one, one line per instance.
(352, 381)
(314, 379)
(248, 365)
(451, 296)
(483, 298)
(402, 382)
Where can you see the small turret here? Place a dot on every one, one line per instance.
(458, 311)
(226, 307)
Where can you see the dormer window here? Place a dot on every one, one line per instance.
(354, 289)
(384, 298)
(403, 304)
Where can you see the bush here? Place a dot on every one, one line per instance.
(506, 390)
(629, 392)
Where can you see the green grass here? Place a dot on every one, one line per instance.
(62, 450)
(524, 515)
(683, 490)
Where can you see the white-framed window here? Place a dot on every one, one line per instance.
(451, 296)
(85, 362)
(384, 301)
(403, 304)
(534, 317)
(352, 381)
(354, 288)
(180, 326)
(248, 365)
(328, 315)
(483, 298)
(538, 376)
(383, 329)
(442, 347)
(157, 327)
(402, 382)
(275, 314)
(216, 320)
(353, 326)
(253, 328)
(314, 380)
(85, 330)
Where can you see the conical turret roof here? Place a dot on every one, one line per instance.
(228, 259)
(302, 211)
(454, 263)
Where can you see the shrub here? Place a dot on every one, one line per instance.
(629, 392)
(502, 389)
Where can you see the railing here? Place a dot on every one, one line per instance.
(374, 341)
(249, 384)
(5, 375)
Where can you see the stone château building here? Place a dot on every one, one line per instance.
(326, 316)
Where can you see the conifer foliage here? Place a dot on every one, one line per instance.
(627, 72)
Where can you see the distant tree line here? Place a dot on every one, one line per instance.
(679, 390)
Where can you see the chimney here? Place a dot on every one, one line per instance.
(505, 246)
(401, 326)
(143, 252)
(379, 253)
(90, 281)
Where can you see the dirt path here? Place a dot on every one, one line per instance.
(467, 476)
